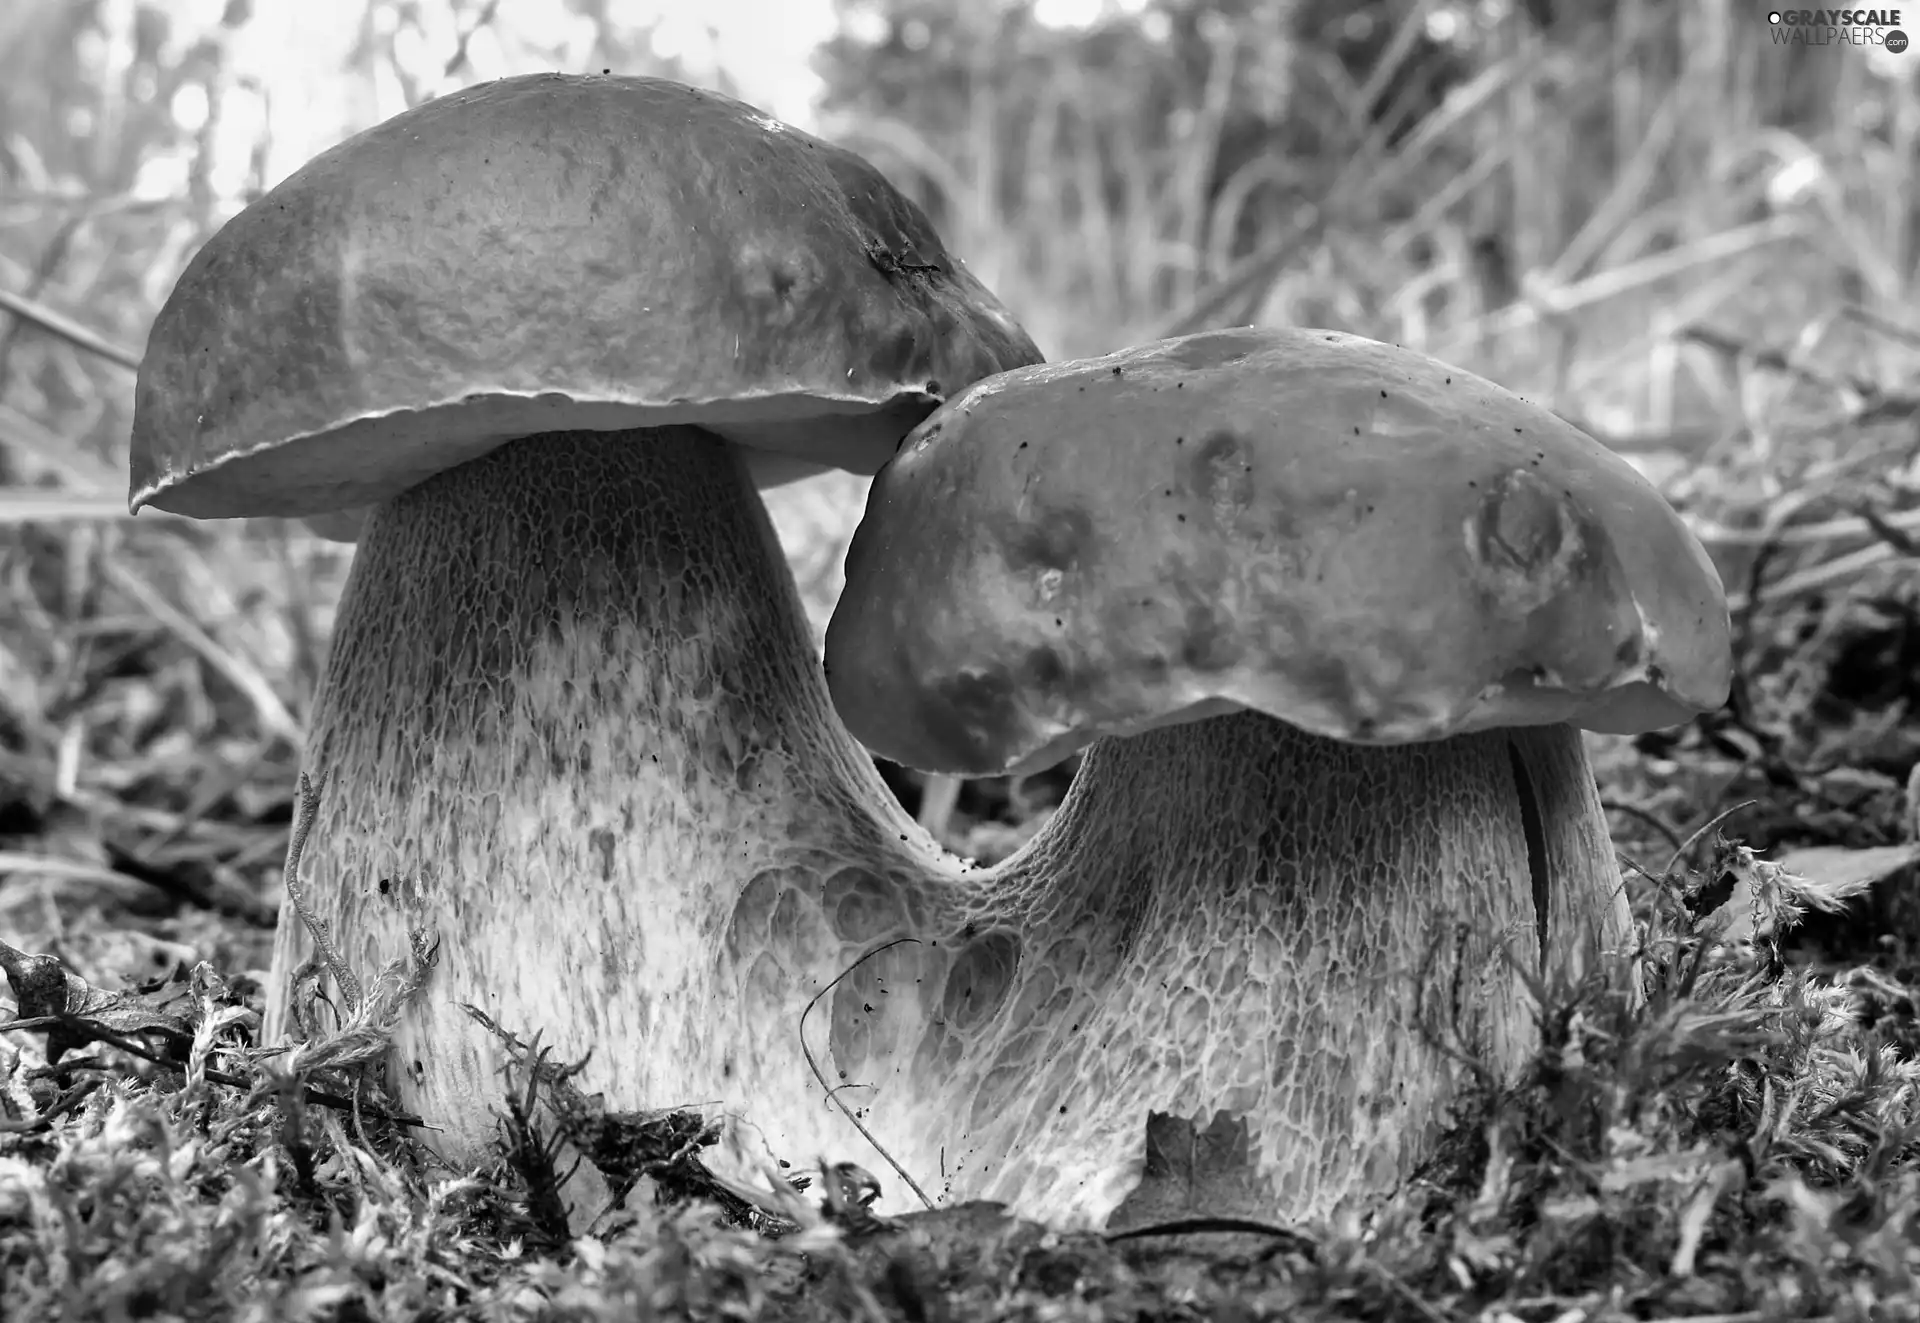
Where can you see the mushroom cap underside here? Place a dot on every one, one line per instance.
(1349, 536)
(552, 253)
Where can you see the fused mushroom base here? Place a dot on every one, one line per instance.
(572, 722)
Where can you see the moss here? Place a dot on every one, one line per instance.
(1705, 1130)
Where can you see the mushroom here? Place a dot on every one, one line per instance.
(551, 332)
(1327, 617)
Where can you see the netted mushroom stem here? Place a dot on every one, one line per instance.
(1300, 946)
(572, 721)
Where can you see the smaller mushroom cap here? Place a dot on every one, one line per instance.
(543, 254)
(1351, 537)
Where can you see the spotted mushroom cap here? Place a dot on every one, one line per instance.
(552, 253)
(1351, 537)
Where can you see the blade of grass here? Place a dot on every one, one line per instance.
(272, 714)
(1605, 285)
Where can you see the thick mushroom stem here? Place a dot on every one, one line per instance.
(572, 721)
(1321, 941)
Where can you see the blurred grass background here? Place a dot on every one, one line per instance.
(1695, 241)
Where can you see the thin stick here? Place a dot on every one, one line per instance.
(1818, 576)
(1650, 818)
(1827, 530)
(63, 328)
(1706, 827)
(833, 1093)
(306, 812)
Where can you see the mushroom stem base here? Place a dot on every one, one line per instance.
(1297, 952)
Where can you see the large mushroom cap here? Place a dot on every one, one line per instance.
(1348, 536)
(552, 253)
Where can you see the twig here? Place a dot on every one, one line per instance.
(1775, 360)
(1693, 840)
(1827, 530)
(820, 1075)
(72, 332)
(1647, 816)
(305, 814)
(1817, 576)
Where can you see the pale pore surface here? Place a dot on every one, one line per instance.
(572, 722)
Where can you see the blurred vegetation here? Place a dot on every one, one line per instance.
(1697, 243)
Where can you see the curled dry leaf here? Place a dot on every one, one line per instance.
(53, 997)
